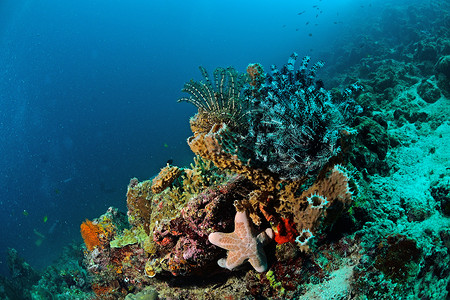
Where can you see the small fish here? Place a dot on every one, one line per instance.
(40, 238)
(317, 15)
(165, 145)
(301, 13)
(296, 29)
(314, 6)
(307, 23)
(45, 219)
(170, 161)
(25, 212)
(310, 34)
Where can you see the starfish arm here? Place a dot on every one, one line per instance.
(234, 259)
(242, 226)
(259, 261)
(227, 241)
(265, 237)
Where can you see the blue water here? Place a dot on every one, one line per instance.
(88, 94)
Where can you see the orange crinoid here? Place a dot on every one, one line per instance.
(91, 234)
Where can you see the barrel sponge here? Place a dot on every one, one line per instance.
(320, 205)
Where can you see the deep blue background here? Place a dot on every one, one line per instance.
(88, 94)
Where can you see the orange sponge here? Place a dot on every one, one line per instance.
(91, 234)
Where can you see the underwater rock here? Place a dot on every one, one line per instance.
(22, 277)
(425, 51)
(384, 80)
(441, 193)
(390, 73)
(445, 237)
(443, 83)
(369, 146)
(443, 65)
(21, 272)
(182, 242)
(67, 278)
(428, 91)
(147, 294)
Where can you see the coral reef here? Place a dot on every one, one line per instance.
(292, 123)
(256, 73)
(322, 176)
(117, 268)
(177, 222)
(333, 194)
(213, 146)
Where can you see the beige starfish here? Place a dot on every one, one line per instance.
(243, 244)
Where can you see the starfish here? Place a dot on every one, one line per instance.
(243, 244)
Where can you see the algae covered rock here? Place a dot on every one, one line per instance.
(370, 145)
(130, 237)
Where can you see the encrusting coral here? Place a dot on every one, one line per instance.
(165, 178)
(138, 203)
(244, 243)
(217, 144)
